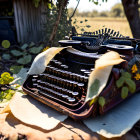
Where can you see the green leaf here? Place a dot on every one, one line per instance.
(6, 95)
(94, 88)
(86, 20)
(126, 75)
(95, 2)
(124, 92)
(23, 47)
(101, 101)
(15, 69)
(131, 85)
(1, 81)
(35, 50)
(31, 44)
(6, 56)
(6, 78)
(49, 5)
(5, 74)
(81, 21)
(120, 82)
(25, 60)
(16, 53)
(6, 44)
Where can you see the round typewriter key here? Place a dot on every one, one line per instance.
(75, 86)
(75, 93)
(35, 85)
(82, 70)
(62, 74)
(34, 80)
(58, 73)
(66, 74)
(35, 76)
(47, 68)
(85, 80)
(74, 76)
(62, 66)
(78, 77)
(81, 78)
(64, 91)
(65, 67)
(87, 72)
(70, 85)
(65, 96)
(71, 100)
(80, 87)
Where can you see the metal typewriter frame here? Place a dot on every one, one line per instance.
(85, 110)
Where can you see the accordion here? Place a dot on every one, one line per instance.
(63, 84)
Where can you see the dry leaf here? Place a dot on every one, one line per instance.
(40, 62)
(103, 67)
(32, 112)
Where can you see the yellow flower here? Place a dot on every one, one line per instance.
(134, 68)
(137, 77)
(46, 48)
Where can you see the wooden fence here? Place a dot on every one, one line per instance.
(29, 20)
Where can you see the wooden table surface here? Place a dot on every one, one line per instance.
(12, 128)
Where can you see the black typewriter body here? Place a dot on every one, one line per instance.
(63, 84)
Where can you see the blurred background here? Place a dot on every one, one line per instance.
(108, 14)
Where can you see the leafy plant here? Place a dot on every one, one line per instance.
(6, 56)
(25, 59)
(127, 84)
(101, 101)
(5, 44)
(6, 95)
(15, 69)
(16, 53)
(6, 78)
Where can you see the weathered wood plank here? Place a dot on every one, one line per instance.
(29, 21)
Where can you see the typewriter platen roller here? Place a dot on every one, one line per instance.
(63, 84)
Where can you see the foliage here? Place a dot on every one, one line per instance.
(127, 84)
(5, 44)
(81, 25)
(6, 56)
(101, 101)
(15, 69)
(6, 95)
(64, 26)
(6, 78)
(21, 55)
(116, 11)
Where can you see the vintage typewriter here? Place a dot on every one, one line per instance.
(63, 84)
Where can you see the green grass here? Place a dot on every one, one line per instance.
(117, 24)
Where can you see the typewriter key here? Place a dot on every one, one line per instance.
(73, 76)
(34, 80)
(35, 76)
(65, 67)
(35, 85)
(80, 87)
(81, 78)
(82, 70)
(71, 100)
(92, 69)
(75, 94)
(65, 96)
(78, 77)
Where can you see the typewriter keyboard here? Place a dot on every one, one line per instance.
(65, 79)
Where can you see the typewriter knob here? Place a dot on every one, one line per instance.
(121, 49)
